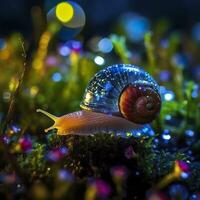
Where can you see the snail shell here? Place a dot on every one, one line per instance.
(123, 90)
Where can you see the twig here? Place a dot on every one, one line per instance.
(8, 119)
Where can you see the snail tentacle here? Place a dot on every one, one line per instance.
(53, 117)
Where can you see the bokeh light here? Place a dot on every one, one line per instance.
(99, 60)
(105, 45)
(64, 12)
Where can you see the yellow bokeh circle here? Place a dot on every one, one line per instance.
(64, 12)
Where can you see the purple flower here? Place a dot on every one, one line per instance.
(102, 188)
(6, 139)
(15, 128)
(74, 45)
(65, 175)
(183, 165)
(25, 144)
(165, 75)
(56, 154)
(129, 152)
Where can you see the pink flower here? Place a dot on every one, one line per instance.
(102, 188)
(183, 165)
(25, 144)
(119, 172)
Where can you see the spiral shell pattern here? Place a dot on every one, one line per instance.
(103, 92)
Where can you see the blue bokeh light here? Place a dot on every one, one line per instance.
(57, 77)
(105, 45)
(135, 26)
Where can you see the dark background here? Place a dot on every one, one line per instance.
(101, 14)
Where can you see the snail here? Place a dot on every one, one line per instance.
(119, 99)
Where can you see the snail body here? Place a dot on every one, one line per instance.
(119, 99)
(86, 123)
